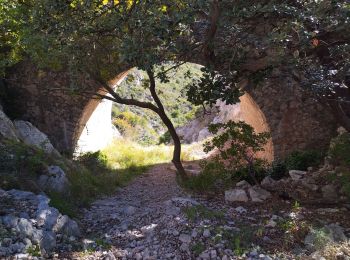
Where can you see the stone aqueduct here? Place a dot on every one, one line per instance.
(294, 121)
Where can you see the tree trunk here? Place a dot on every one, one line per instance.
(177, 145)
(167, 122)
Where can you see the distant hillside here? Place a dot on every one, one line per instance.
(143, 125)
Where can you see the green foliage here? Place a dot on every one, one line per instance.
(20, 163)
(142, 125)
(34, 251)
(165, 138)
(240, 242)
(211, 179)
(90, 175)
(278, 170)
(244, 173)
(198, 248)
(212, 87)
(94, 161)
(238, 145)
(201, 212)
(103, 244)
(124, 154)
(301, 160)
(64, 203)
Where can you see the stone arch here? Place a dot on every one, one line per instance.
(91, 111)
(295, 121)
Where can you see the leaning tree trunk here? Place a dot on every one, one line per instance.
(158, 109)
(167, 122)
(177, 144)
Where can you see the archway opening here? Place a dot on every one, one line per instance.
(104, 121)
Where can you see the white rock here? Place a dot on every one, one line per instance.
(243, 184)
(258, 194)
(296, 175)
(67, 226)
(206, 233)
(236, 195)
(184, 238)
(204, 256)
(31, 135)
(184, 247)
(271, 223)
(149, 229)
(194, 233)
(54, 180)
(213, 254)
(47, 217)
(48, 242)
(240, 210)
(268, 182)
(129, 210)
(25, 227)
(7, 129)
(179, 201)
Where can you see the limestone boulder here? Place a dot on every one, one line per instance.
(296, 174)
(7, 129)
(54, 180)
(258, 194)
(316, 239)
(67, 226)
(31, 135)
(268, 182)
(243, 184)
(236, 195)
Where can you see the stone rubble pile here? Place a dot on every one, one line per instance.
(256, 193)
(29, 224)
(312, 185)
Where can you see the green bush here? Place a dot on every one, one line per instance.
(238, 144)
(301, 160)
(277, 170)
(243, 173)
(212, 178)
(94, 161)
(165, 138)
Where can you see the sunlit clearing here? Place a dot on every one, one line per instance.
(123, 154)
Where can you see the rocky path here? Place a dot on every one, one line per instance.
(153, 218)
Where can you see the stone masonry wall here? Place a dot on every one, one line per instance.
(295, 121)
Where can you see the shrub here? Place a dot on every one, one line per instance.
(165, 138)
(212, 177)
(238, 145)
(277, 170)
(243, 173)
(94, 161)
(301, 160)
